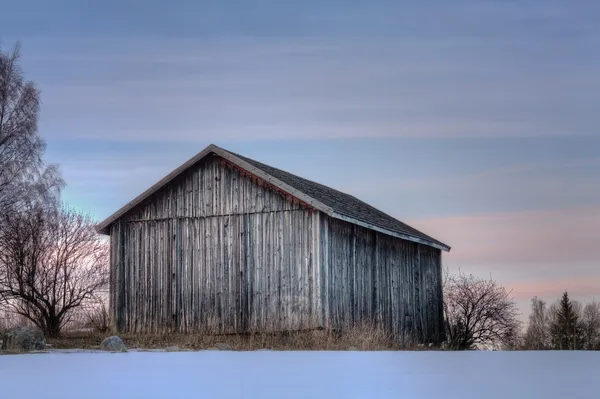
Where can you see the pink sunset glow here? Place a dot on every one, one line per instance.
(535, 253)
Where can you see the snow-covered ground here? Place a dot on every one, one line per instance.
(266, 374)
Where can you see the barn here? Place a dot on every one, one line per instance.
(230, 245)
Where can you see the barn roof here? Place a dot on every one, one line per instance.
(332, 202)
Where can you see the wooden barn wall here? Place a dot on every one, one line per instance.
(211, 188)
(376, 278)
(216, 252)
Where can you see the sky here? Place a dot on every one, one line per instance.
(473, 121)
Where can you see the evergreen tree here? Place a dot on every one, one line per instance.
(565, 328)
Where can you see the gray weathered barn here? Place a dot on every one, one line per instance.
(228, 244)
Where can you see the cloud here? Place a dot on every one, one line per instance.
(563, 235)
(460, 18)
(449, 180)
(194, 89)
(508, 173)
(531, 254)
(538, 253)
(586, 286)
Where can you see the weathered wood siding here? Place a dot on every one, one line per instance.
(215, 251)
(213, 188)
(218, 250)
(376, 278)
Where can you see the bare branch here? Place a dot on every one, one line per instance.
(478, 312)
(591, 325)
(24, 177)
(51, 263)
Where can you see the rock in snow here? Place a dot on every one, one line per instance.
(113, 344)
(24, 339)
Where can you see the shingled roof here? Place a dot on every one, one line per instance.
(335, 203)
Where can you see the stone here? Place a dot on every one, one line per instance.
(223, 347)
(172, 349)
(24, 339)
(113, 344)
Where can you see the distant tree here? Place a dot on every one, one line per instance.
(538, 331)
(52, 263)
(512, 341)
(591, 326)
(565, 326)
(478, 313)
(24, 177)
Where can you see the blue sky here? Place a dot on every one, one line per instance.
(472, 120)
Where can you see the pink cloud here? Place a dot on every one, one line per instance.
(583, 286)
(537, 253)
(565, 235)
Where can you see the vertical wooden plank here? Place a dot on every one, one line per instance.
(375, 279)
(245, 275)
(352, 285)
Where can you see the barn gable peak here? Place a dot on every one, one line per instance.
(332, 202)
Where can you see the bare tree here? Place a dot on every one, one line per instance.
(52, 262)
(538, 331)
(591, 325)
(23, 175)
(478, 313)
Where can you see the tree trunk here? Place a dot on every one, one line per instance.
(53, 327)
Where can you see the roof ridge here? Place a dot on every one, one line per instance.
(373, 208)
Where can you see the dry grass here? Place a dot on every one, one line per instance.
(363, 338)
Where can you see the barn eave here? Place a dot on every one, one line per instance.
(373, 227)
